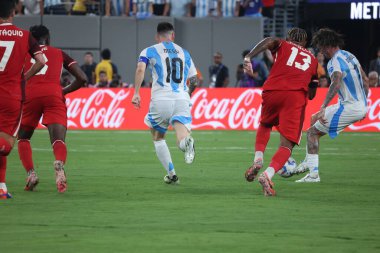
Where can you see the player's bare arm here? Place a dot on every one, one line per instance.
(193, 83)
(80, 79)
(139, 77)
(267, 43)
(37, 66)
(336, 82)
(365, 81)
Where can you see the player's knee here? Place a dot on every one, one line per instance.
(5, 147)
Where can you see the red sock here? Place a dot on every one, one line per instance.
(280, 158)
(60, 151)
(5, 147)
(25, 153)
(3, 168)
(262, 138)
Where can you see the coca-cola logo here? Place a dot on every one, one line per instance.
(239, 111)
(100, 110)
(373, 114)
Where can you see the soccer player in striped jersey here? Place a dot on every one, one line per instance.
(142, 8)
(350, 82)
(229, 8)
(171, 66)
(202, 8)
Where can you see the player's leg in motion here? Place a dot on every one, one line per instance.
(57, 134)
(25, 154)
(164, 156)
(184, 141)
(311, 161)
(262, 138)
(278, 160)
(6, 144)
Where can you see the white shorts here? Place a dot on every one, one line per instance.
(339, 116)
(164, 112)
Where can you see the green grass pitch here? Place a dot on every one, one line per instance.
(117, 200)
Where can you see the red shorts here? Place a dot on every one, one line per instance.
(286, 111)
(10, 115)
(52, 108)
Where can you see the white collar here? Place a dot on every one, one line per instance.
(4, 24)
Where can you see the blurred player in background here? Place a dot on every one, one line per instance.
(15, 45)
(285, 95)
(171, 66)
(45, 97)
(350, 82)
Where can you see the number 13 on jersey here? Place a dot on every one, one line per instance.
(306, 59)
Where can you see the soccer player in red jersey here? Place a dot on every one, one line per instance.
(15, 45)
(285, 95)
(44, 96)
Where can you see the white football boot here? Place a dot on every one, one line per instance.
(310, 179)
(301, 168)
(189, 150)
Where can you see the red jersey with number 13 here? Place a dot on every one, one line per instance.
(15, 45)
(293, 68)
(47, 82)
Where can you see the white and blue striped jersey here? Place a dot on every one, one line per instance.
(202, 8)
(161, 1)
(228, 7)
(142, 6)
(352, 90)
(171, 65)
(48, 3)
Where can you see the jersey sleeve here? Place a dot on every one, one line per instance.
(67, 60)
(333, 66)
(192, 69)
(144, 57)
(34, 48)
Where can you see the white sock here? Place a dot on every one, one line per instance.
(182, 144)
(270, 172)
(312, 161)
(163, 155)
(258, 155)
(4, 187)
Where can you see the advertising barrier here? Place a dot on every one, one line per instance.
(220, 109)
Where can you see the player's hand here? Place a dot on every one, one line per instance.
(136, 101)
(321, 116)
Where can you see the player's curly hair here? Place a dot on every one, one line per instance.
(39, 32)
(326, 37)
(297, 35)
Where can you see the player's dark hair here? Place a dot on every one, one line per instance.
(40, 33)
(6, 8)
(106, 54)
(89, 53)
(164, 27)
(297, 35)
(326, 37)
(102, 72)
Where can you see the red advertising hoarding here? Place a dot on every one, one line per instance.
(221, 109)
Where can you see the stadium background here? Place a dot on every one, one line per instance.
(116, 200)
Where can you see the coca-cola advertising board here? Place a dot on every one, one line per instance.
(212, 109)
